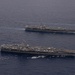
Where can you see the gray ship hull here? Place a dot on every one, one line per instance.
(49, 30)
(38, 51)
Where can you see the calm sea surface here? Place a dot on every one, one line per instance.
(15, 14)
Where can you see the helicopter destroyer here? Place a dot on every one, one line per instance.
(44, 29)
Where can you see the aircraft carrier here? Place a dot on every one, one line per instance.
(44, 29)
(26, 49)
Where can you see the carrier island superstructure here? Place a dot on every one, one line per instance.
(45, 29)
(26, 49)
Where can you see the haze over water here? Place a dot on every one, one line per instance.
(15, 14)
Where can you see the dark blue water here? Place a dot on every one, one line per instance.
(15, 14)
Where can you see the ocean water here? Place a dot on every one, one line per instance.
(15, 15)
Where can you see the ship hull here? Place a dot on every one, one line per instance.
(53, 52)
(58, 31)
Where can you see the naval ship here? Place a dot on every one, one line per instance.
(44, 29)
(47, 51)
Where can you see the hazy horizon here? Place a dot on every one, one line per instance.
(49, 11)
